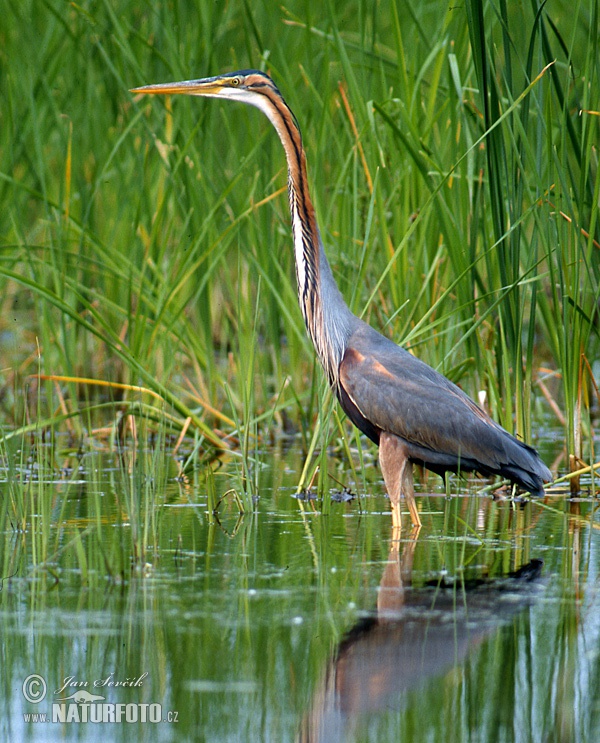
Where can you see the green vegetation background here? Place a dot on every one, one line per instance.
(147, 243)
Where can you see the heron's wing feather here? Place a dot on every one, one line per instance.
(398, 393)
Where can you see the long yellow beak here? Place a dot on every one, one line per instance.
(206, 86)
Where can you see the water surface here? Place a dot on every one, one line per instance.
(285, 624)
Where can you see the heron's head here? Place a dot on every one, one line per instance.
(248, 86)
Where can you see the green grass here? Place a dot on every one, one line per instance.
(146, 243)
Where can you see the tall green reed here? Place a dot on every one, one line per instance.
(539, 184)
(457, 196)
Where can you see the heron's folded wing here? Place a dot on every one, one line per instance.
(398, 393)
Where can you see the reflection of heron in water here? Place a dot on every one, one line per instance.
(416, 635)
(411, 411)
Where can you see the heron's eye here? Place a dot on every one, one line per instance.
(236, 81)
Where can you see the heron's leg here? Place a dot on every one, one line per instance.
(398, 476)
(408, 489)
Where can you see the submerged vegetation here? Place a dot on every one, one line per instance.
(146, 272)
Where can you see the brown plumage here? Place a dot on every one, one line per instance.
(411, 411)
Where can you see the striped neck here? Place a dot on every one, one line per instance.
(327, 317)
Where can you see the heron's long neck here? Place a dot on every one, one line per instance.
(328, 318)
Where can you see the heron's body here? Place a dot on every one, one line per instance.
(411, 411)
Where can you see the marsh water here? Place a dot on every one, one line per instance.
(138, 615)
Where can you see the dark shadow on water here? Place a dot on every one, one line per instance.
(414, 636)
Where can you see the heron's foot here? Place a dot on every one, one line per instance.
(412, 507)
(397, 516)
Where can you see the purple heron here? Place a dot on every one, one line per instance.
(411, 411)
